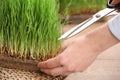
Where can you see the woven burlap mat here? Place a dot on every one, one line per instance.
(14, 74)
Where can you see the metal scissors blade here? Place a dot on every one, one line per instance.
(80, 27)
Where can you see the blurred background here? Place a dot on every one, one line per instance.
(76, 11)
(81, 6)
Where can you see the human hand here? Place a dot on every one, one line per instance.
(75, 57)
(114, 2)
(79, 54)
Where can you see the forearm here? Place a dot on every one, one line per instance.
(102, 38)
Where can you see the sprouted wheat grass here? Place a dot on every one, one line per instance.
(29, 28)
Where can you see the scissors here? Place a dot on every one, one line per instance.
(80, 27)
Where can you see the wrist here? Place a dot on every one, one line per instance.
(101, 38)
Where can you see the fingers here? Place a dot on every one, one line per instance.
(115, 2)
(56, 71)
(118, 10)
(54, 66)
(50, 63)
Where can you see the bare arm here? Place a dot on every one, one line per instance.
(78, 55)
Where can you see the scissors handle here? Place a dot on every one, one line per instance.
(117, 6)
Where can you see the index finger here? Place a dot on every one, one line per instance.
(50, 63)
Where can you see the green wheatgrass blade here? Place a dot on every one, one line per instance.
(1, 28)
(30, 28)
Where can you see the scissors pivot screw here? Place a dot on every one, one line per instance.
(97, 16)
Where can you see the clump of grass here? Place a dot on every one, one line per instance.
(29, 28)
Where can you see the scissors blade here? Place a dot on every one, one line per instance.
(80, 27)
